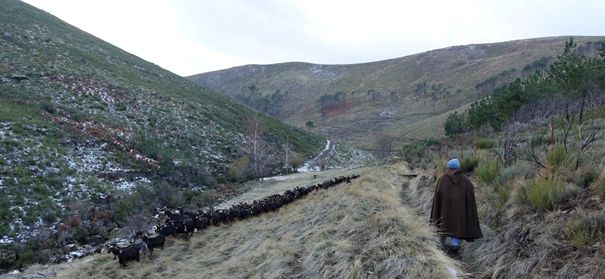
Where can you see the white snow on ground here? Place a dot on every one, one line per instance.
(308, 166)
(6, 240)
(125, 185)
(90, 157)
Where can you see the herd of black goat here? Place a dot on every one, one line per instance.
(183, 223)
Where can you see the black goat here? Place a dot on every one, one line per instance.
(167, 230)
(154, 242)
(127, 254)
(185, 223)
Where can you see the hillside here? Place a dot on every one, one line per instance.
(90, 135)
(357, 230)
(400, 98)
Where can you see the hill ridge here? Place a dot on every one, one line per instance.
(393, 91)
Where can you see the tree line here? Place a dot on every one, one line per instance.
(573, 76)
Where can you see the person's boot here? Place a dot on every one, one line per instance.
(455, 243)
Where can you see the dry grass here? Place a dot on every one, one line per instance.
(552, 244)
(358, 230)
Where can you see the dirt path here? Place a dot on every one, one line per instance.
(418, 192)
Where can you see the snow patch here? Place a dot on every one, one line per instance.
(128, 186)
(6, 240)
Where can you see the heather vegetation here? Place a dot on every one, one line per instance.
(92, 138)
(539, 144)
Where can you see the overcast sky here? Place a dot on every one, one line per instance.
(190, 37)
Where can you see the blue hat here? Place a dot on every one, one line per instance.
(453, 164)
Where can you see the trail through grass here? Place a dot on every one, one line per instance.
(357, 230)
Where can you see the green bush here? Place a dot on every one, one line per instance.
(48, 107)
(556, 155)
(484, 143)
(488, 171)
(586, 177)
(454, 124)
(585, 231)
(151, 148)
(517, 170)
(469, 163)
(411, 151)
(545, 193)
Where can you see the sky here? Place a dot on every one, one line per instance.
(189, 37)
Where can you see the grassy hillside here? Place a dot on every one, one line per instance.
(356, 103)
(535, 150)
(358, 230)
(93, 134)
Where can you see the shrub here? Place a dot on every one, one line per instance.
(240, 169)
(484, 143)
(586, 177)
(48, 107)
(545, 193)
(206, 198)
(517, 170)
(556, 155)
(150, 147)
(468, 163)
(488, 171)
(585, 231)
(411, 151)
(454, 124)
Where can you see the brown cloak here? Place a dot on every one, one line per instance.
(454, 209)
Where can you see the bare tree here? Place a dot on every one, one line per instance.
(584, 142)
(287, 155)
(260, 149)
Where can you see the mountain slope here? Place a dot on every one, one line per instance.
(357, 230)
(93, 133)
(359, 102)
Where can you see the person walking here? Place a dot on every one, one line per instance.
(454, 209)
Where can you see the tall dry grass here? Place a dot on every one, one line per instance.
(358, 230)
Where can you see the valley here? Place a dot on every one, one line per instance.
(403, 99)
(295, 169)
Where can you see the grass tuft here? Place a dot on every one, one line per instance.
(488, 171)
(484, 143)
(556, 155)
(544, 193)
(586, 231)
(469, 163)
